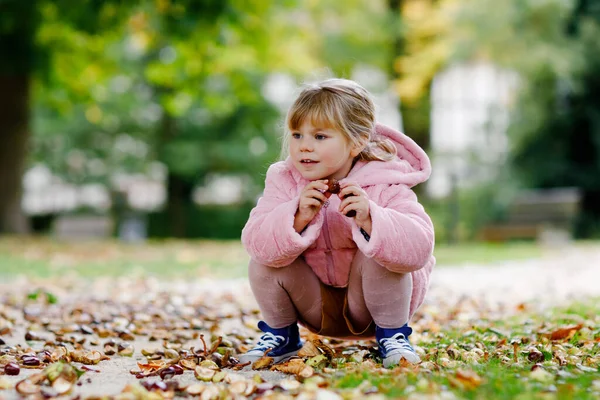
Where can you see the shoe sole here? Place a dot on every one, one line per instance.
(394, 360)
(276, 360)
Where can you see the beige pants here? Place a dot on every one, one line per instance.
(295, 294)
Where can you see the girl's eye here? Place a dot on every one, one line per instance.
(320, 137)
(296, 135)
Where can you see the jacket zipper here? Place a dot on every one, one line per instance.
(329, 258)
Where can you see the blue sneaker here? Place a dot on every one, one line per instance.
(394, 345)
(284, 342)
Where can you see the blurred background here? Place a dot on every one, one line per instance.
(159, 118)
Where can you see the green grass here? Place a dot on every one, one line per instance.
(498, 382)
(44, 257)
(485, 253)
(497, 375)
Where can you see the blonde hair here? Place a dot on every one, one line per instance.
(345, 106)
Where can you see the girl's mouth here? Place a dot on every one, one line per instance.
(306, 161)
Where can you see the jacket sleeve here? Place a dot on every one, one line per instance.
(402, 236)
(269, 235)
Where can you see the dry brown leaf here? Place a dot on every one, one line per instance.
(263, 362)
(87, 357)
(295, 366)
(62, 385)
(328, 351)
(308, 350)
(26, 387)
(244, 388)
(211, 392)
(188, 364)
(151, 367)
(195, 389)
(564, 333)
(210, 365)
(465, 379)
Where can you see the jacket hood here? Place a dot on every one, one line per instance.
(411, 167)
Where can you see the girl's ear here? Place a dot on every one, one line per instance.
(357, 148)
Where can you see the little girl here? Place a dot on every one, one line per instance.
(354, 264)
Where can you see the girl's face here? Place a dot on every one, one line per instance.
(321, 153)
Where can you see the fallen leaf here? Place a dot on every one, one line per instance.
(5, 383)
(195, 389)
(323, 347)
(465, 379)
(151, 367)
(564, 333)
(308, 350)
(541, 375)
(262, 363)
(86, 357)
(62, 385)
(295, 366)
(204, 374)
(26, 387)
(245, 388)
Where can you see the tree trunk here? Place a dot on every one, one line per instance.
(14, 131)
(179, 189)
(179, 201)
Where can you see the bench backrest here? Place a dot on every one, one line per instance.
(556, 207)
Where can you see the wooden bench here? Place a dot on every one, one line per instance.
(545, 215)
(77, 227)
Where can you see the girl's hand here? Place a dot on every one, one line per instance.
(354, 198)
(312, 198)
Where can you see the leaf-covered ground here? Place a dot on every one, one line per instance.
(126, 338)
(528, 329)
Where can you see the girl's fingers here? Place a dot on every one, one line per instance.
(315, 194)
(311, 203)
(347, 201)
(350, 190)
(318, 185)
(314, 202)
(346, 184)
(350, 207)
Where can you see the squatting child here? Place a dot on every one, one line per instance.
(338, 241)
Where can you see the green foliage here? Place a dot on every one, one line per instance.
(182, 78)
(556, 130)
(223, 222)
(18, 23)
(182, 81)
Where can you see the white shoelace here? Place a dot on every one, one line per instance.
(268, 340)
(396, 342)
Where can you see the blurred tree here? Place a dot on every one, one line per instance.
(119, 84)
(183, 77)
(206, 65)
(18, 23)
(22, 57)
(558, 135)
(422, 49)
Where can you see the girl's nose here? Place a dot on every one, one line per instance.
(306, 145)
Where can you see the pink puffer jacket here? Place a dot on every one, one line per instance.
(402, 236)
